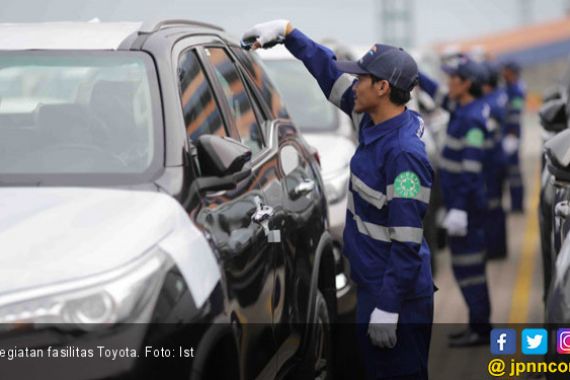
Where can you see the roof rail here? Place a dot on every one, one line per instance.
(154, 26)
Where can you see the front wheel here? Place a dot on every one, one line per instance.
(319, 356)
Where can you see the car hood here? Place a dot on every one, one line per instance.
(52, 235)
(335, 151)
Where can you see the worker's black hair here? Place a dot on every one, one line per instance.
(493, 81)
(397, 96)
(475, 90)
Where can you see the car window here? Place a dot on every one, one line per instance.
(267, 89)
(240, 105)
(201, 112)
(78, 114)
(309, 108)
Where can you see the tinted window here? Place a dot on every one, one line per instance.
(270, 95)
(201, 113)
(238, 99)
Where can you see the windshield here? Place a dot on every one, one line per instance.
(308, 107)
(77, 113)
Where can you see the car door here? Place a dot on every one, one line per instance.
(290, 186)
(232, 219)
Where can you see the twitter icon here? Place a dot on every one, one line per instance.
(534, 341)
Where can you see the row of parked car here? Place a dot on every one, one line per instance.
(554, 208)
(554, 204)
(155, 175)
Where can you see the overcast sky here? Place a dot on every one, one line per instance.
(351, 21)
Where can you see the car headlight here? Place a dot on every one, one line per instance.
(336, 185)
(126, 294)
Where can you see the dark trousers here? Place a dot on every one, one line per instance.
(409, 358)
(468, 260)
(495, 222)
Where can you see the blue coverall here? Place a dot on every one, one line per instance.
(495, 175)
(515, 107)
(463, 188)
(383, 238)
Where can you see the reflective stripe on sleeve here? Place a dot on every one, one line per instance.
(339, 88)
(383, 233)
(472, 166)
(374, 197)
(423, 195)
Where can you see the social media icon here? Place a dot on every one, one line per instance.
(504, 341)
(534, 341)
(563, 341)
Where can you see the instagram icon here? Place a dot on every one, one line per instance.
(563, 341)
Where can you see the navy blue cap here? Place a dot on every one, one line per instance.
(385, 62)
(493, 72)
(468, 69)
(512, 65)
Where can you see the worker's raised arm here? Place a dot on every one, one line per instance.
(435, 91)
(318, 59)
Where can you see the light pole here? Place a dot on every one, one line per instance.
(396, 18)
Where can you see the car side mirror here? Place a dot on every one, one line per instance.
(221, 156)
(553, 116)
(558, 155)
(552, 93)
(222, 163)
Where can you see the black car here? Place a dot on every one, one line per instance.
(156, 199)
(553, 118)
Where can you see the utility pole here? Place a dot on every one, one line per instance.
(396, 19)
(525, 12)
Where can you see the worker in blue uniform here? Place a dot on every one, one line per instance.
(512, 135)
(389, 192)
(495, 167)
(463, 189)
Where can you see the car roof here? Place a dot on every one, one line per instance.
(93, 35)
(66, 35)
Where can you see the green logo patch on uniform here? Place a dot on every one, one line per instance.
(407, 185)
(517, 103)
(475, 137)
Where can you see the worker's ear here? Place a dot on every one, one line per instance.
(383, 87)
(467, 85)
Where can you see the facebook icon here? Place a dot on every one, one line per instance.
(503, 341)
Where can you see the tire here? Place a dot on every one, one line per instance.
(318, 362)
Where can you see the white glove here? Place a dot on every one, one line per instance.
(455, 222)
(510, 144)
(265, 34)
(382, 328)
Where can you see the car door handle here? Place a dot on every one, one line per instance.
(304, 187)
(261, 216)
(262, 211)
(562, 209)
